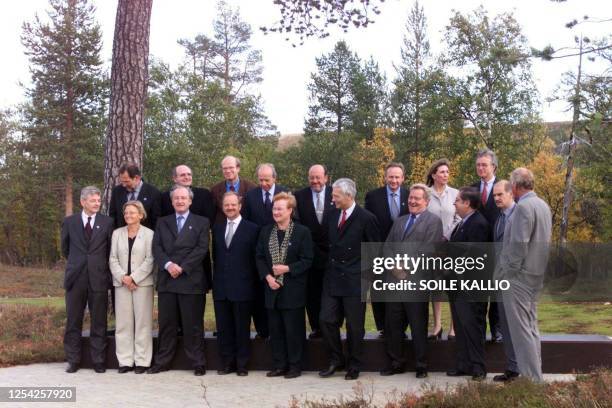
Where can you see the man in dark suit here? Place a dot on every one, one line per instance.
(486, 166)
(132, 187)
(179, 247)
(349, 226)
(234, 285)
(469, 315)
(86, 241)
(422, 229)
(387, 204)
(314, 206)
(258, 209)
(232, 181)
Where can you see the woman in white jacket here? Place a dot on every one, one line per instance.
(131, 263)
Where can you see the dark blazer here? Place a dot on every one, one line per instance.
(186, 249)
(376, 202)
(217, 192)
(299, 258)
(150, 198)
(307, 216)
(490, 210)
(343, 274)
(475, 229)
(202, 204)
(253, 206)
(235, 274)
(90, 257)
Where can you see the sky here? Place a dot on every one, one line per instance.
(287, 69)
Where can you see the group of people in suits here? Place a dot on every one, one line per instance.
(276, 257)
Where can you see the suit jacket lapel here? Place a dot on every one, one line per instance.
(348, 221)
(417, 222)
(403, 201)
(235, 236)
(186, 225)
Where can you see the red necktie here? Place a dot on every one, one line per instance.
(342, 220)
(232, 188)
(483, 196)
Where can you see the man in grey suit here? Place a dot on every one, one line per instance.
(523, 263)
(86, 239)
(423, 229)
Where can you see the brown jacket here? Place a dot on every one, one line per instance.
(219, 189)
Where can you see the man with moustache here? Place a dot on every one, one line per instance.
(230, 166)
(314, 205)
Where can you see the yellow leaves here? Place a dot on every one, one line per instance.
(373, 155)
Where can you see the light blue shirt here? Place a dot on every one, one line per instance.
(397, 198)
(236, 185)
(271, 191)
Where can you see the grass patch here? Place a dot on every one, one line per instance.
(30, 282)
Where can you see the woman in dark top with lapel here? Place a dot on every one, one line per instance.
(284, 254)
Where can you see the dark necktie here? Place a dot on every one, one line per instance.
(342, 220)
(501, 225)
(232, 188)
(484, 195)
(409, 225)
(267, 202)
(88, 229)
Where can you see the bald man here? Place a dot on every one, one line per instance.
(230, 166)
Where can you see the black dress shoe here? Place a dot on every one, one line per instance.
(140, 369)
(436, 336)
(391, 371)
(497, 338)
(479, 376)
(124, 369)
(242, 372)
(262, 336)
(456, 373)
(421, 373)
(329, 371)
(226, 370)
(316, 334)
(99, 368)
(381, 334)
(351, 374)
(156, 369)
(293, 374)
(72, 368)
(277, 372)
(199, 371)
(506, 376)
(451, 337)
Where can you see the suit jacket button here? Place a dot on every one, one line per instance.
(349, 248)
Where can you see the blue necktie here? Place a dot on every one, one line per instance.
(179, 223)
(409, 225)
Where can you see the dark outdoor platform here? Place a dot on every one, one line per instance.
(570, 353)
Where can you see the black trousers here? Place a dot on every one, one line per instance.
(494, 323)
(190, 308)
(77, 297)
(378, 311)
(260, 315)
(234, 332)
(313, 301)
(287, 336)
(398, 314)
(469, 319)
(334, 309)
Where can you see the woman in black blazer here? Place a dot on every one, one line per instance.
(284, 254)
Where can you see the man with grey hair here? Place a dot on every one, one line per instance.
(486, 166)
(523, 263)
(86, 242)
(258, 209)
(349, 226)
(230, 166)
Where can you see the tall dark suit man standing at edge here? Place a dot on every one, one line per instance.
(230, 166)
(132, 187)
(468, 315)
(179, 247)
(486, 166)
(424, 229)
(86, 242)
(387, 204)
(234, 285)
(314, 206)
(349, 226)
(523, 262)
(258, 209)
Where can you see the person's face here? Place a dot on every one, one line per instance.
(317, 178)
(281, 212)
(129, 183)
(266, 178)
(230, 169)
(131, 215)
(416, 201)
(503, 199)
(341, 200)
(183, 176)
(394, 177)
(462, 207)
(485, 168)
(231, 207)
(441, 175)
(91, 204)
(180, 200)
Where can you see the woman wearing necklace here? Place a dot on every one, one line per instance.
(283, 256)
(131, 263)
